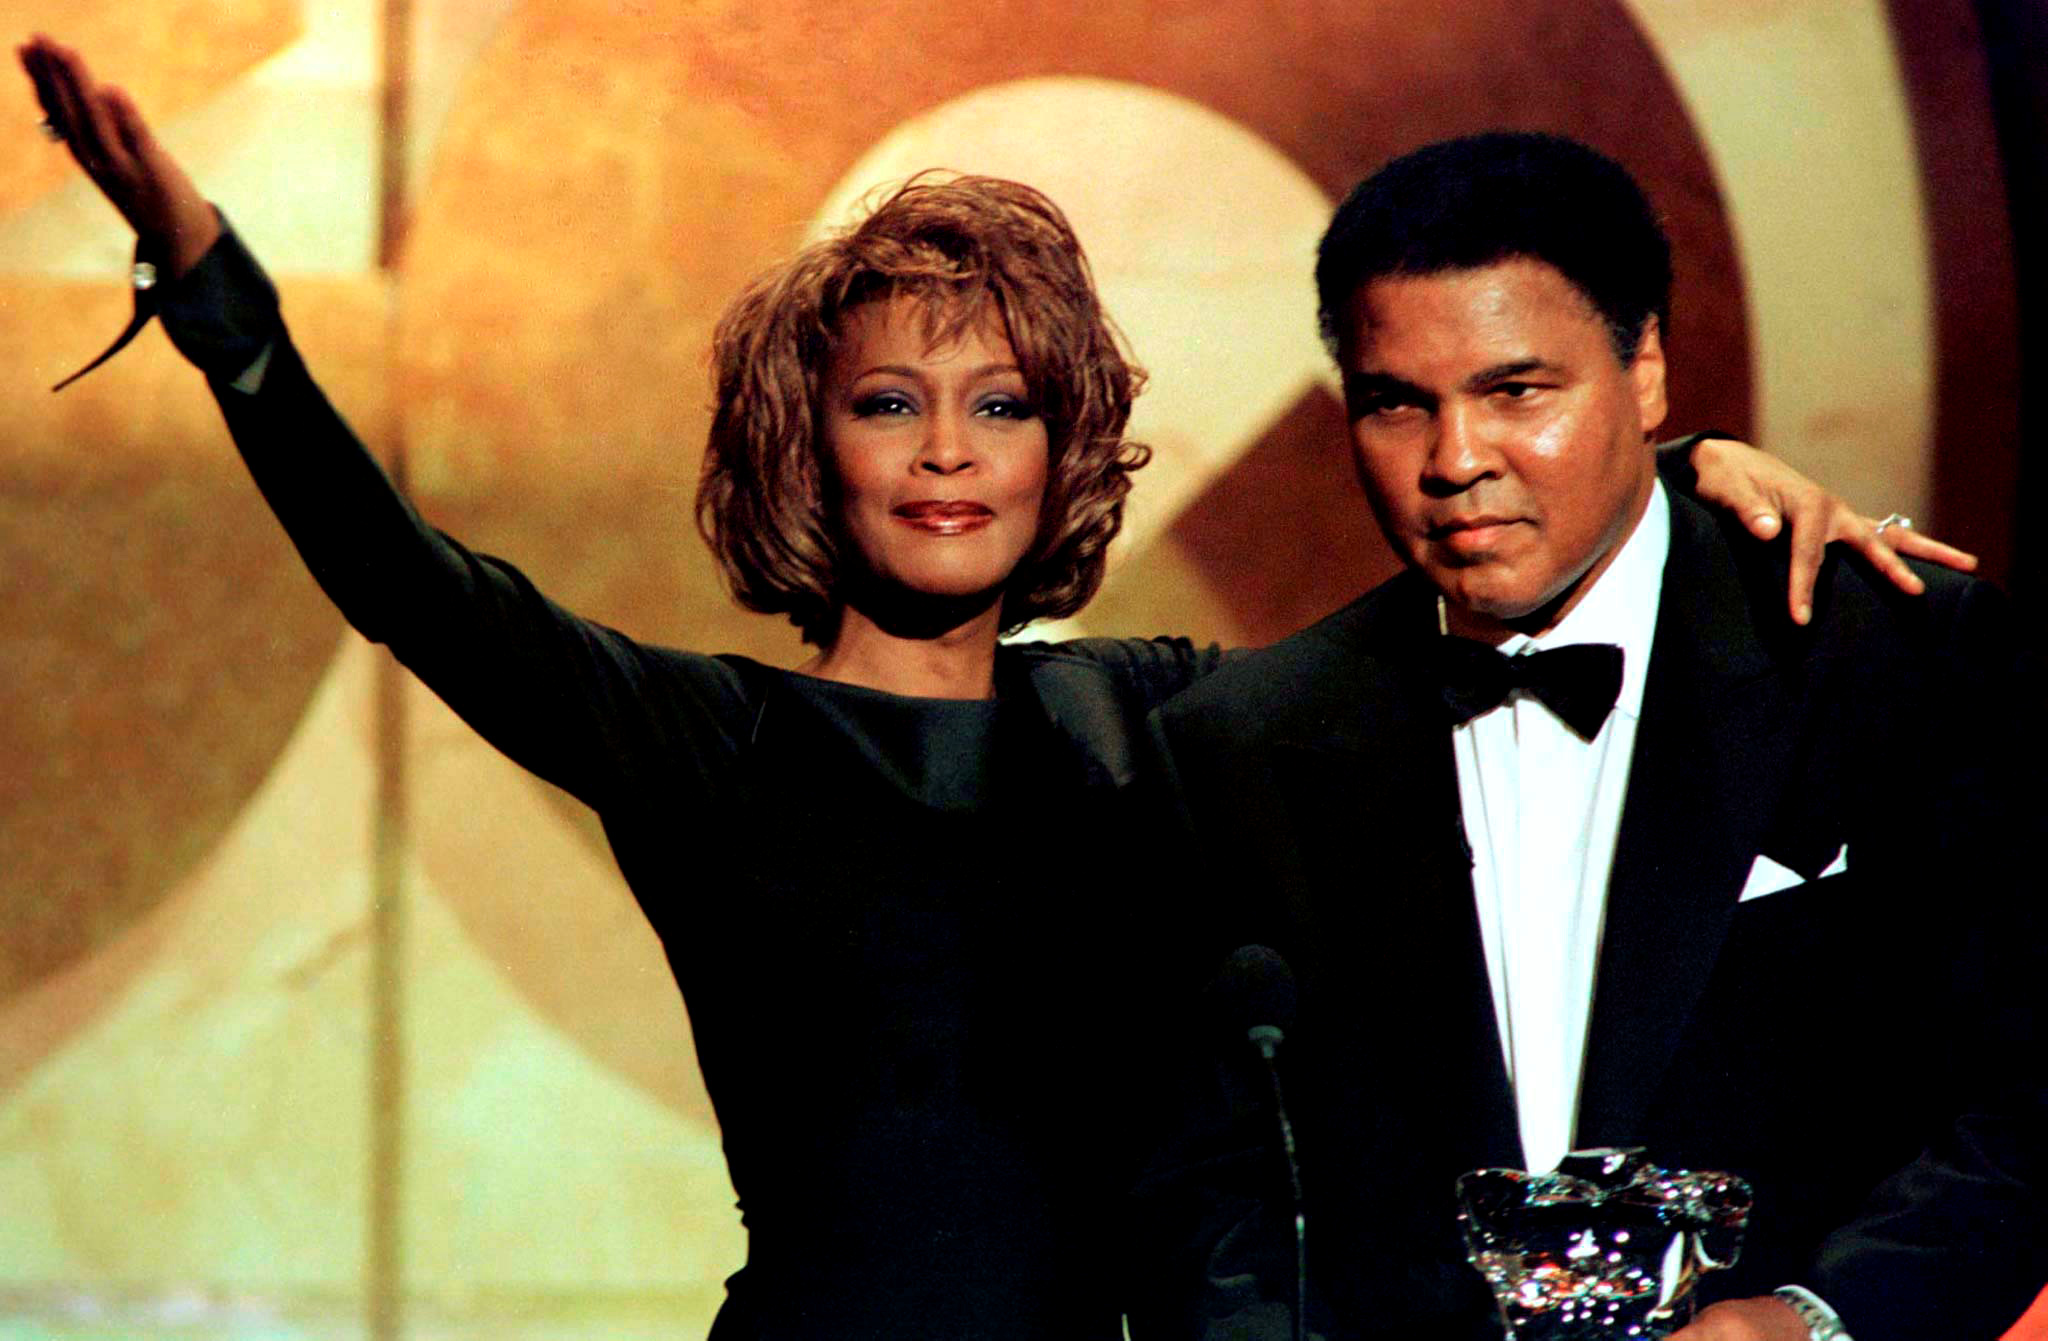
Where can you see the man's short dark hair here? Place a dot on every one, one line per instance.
(1468, 203)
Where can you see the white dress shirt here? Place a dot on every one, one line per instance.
(1542, 809)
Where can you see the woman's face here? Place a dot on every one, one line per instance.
(939, 454)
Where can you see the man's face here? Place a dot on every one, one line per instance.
(1502, 443)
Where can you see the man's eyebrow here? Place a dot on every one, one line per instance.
(1506, 372)
(1361, 380)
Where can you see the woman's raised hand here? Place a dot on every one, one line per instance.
(111, 141)
(1769, 495)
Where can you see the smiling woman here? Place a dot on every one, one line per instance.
(951, 358)
(937, 450)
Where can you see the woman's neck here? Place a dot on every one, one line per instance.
(959, 663)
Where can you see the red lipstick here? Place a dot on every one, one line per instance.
(943, 516)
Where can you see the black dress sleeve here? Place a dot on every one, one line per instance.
(1150, 670)
(581, 705)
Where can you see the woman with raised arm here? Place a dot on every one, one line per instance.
(910, 1039)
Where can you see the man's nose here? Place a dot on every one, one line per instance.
(1461, 454)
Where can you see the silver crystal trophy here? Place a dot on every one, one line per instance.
(1609, 1246)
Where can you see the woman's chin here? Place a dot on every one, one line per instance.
(951, 581)
(927, 604)
(962, 590)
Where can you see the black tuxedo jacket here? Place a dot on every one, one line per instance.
(1815, 1041)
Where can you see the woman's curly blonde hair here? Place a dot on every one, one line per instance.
(966, 248)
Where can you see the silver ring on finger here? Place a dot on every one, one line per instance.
(1898, 519)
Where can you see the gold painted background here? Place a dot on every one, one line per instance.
(233, 1101)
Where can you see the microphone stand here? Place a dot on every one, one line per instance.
(1267, 1039)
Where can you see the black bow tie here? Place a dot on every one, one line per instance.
(1579, 683)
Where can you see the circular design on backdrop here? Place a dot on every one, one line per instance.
(607, 183)
(162, 643)
(1207, 285)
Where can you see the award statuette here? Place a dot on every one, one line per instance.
(1609, 1246)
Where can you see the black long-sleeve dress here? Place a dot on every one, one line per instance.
(894, 920)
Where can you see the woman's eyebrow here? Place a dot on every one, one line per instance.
(915, 372)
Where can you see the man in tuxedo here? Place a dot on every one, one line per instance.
(1574, 840)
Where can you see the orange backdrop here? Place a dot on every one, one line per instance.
(316, 1016)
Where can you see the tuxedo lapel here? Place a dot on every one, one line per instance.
(1388, 928)
(1710, 750)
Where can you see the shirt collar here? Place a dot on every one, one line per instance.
(1621, 605)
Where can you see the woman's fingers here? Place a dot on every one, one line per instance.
(66, 89)
(1789, 503)
(1810, 522)
(1771, 497)
(130, 130)
(111, 141)
(1745, 481)
(68, 84)
(1908, 541)
(1886, 544)
(35, 60)
(31, 57)
(59, 98)
(1877, 546)
(1758, 508)
(117, 174)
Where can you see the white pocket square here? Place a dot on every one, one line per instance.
(1768, 877)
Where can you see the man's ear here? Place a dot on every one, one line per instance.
(1647, 375)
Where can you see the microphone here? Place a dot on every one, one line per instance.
(1258, 996)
